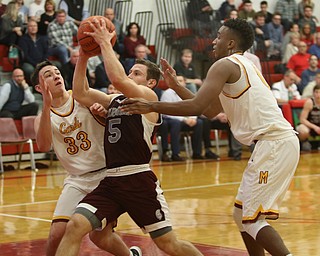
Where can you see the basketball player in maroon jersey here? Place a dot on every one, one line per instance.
(130, 185)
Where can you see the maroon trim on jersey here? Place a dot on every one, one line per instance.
(68, 113)
(99, 119)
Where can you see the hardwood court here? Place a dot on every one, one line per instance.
(200, 195)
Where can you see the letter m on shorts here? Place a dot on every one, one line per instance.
(263, 177)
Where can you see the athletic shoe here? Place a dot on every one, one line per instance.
(136, 251)
(165, 158)
(210, 155)
(197, 157)
(177, 158)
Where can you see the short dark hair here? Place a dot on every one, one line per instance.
(243, 32)
(153, 71)
(35, 74)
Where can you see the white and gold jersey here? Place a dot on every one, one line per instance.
(251, 108)
(77, 138)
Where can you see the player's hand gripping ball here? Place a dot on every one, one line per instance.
(88, 44)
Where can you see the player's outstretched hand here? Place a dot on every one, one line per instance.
(169, 74)
(100, 32)
(137, 106)
(46, 94)
(98, 110)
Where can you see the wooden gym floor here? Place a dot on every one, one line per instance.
(200, 195)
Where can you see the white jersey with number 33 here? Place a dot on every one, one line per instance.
(77, 138)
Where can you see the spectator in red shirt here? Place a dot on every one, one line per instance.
(132, 40)
(299, 61)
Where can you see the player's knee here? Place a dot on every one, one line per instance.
(253, 228)
(78, 226)
(237, 217)
(167, 242)
(57, 231)
(105, 237)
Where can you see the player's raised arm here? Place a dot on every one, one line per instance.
(80, 86)
(113, 67)
(206, 100)
(42, 124)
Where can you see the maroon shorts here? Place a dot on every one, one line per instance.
(138, 194)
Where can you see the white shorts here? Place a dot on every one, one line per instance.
(75, 188)
(267, 177)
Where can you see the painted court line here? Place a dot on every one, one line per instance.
(23, 217)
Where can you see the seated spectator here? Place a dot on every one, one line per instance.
(93, 62)
(118, 47)
(23, 11)
(225, 8)
(132, 39)
(76, 10)
(308, 90)
(291, 48)
(184, 67)
(261, 34)
(276, 36)
(2, 8)
(67, 70)
(16, 98)
(308, 18)
(101, 79)
(203, 19)
(306, 35)
(294, 29)
(47, 17)
(112, 90)
(286, 89)
(233, 14)
(264, 10)
(315, 48)
(309, 74)
(36, 8)
(60, 36)
(310, 119)
(140, 53)
(173, 125)
(247, 12)
(220, 122)
(288, 10)
(34, 48)
(299, 61)
(301, 6)
(11, 25)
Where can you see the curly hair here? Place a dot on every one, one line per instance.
(243, 32)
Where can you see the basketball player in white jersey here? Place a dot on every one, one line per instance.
(235, 86)
(77, 139)
(130, 186)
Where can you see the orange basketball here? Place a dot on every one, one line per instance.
(88, 44)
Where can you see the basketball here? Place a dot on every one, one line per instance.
(88, 44)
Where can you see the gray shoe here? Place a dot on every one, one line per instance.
(306, 146)
(136, 251)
